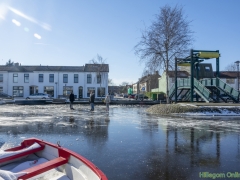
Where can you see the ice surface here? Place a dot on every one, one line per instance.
(128, 143)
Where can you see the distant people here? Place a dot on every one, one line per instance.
(107, 101)
(71, 98)
(91, 100)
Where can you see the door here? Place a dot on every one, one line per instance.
(80, 92)
(31, 90)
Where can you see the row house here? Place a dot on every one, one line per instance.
(21, 81)
(146, 83)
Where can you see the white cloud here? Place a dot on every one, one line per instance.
(37, 36)
(16, 22)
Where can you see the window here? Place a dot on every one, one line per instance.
(15, 78)
(230, 81)
(101, 91)
(75, 78)
(40, 78)
(26, 78)
(1, 77)
(18, 91)
(197, 67)
(67, 90)
(89, 78)
(99, 78)
(49, 90)
(89, 90)
(207, 68)
(1, 89)
(51, 77)
(65, 78)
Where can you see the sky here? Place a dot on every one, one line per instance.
(71, 33)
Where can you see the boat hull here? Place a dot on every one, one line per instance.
(69, 164)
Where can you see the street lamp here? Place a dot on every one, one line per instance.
(237, 62)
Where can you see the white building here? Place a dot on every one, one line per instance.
(21, 81)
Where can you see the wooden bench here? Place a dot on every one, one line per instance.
(41, 168)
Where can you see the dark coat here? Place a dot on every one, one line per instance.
(91, 99)
(71, 97)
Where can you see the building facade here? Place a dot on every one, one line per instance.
(146, 83)
(21, 81)
(229, 77)
(171, 80)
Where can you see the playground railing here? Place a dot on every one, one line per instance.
(202, 89)
(180, 83)
(227, 88)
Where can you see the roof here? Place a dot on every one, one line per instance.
(96, 68)
(227, 74)
(180, 74)
(150, 76)
(87, 68)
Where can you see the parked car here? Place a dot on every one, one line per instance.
(125, 96)
(38, 96)
(140, 96)
(225, 97)
(5, 96)
(131, 96)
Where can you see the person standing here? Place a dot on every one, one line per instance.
(91, 99)
(107, 101)
(71, 98)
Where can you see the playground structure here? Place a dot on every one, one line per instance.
(202, 83)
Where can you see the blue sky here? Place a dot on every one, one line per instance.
(60, 32)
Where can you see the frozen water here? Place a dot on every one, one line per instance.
(127, 143)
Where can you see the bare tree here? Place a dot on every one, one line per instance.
(124, 83)
(168, 37)
(100, 70)
(146, 72)
(231, 67)
(9, 63)
(123, 87)
(110, 82)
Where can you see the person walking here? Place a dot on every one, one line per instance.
(71, 98)
(107, 101)
(91, 100)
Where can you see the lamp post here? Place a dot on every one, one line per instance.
(237, 62)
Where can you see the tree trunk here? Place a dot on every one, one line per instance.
(167, 94)
(167, 64)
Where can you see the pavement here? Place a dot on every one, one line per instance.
(211, 104)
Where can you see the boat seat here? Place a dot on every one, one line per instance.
(15, 153)
(41, 168)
